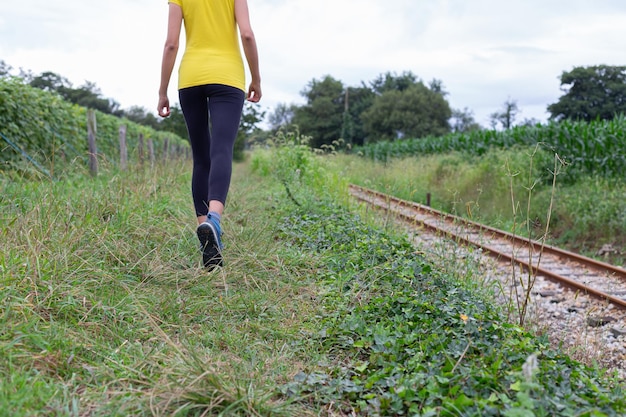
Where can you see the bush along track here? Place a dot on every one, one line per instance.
(404, 339)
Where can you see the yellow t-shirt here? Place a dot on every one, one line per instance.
(212, 54)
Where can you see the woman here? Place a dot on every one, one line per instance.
(211, 89)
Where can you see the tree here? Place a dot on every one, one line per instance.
(392, 82)
(356, 101)
(50, 81)
(463, 121)
(140, 115)
(321, 117)
(390, 106)
(436, 86)
(529, 122)
(413, 112)
(248, 128)
(506, 117)
(595, 92)
(5, 69)
(281, 117)
(87, 95)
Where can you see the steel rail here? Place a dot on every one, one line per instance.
(553, 276)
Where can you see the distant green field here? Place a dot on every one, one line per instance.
(597, 148)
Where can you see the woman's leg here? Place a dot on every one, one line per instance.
(194, 104)
(212, 146)
(225, 107)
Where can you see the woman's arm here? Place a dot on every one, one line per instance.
(248, 41)
(174, 23)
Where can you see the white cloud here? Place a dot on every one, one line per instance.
(484, 51)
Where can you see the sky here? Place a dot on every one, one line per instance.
(485, 52)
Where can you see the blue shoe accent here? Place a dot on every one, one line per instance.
(210, 236)
(217, 231)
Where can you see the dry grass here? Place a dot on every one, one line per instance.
(106, 310)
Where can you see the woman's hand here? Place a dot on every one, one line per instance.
(254, 92)
(164, 106)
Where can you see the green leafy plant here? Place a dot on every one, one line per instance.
(53, 133)
(291, 162)
(405, 339)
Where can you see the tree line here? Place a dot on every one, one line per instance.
(390, 107)
(396, 106)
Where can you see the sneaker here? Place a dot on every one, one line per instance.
(209, 233)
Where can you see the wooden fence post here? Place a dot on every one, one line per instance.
(151, 151)
(166, 149)
(123, 149)
(91, 137)
(140, 149)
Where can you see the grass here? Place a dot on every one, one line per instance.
(586, 215)
(406, 338)
(106, 310)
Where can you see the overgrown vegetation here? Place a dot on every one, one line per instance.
(107, 312)
(403, 338)
(587, 212)
(596, 148)
(318, 311)
(40, 129)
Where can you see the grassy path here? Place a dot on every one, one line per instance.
(106, 310)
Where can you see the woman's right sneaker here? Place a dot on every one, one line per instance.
(209, 233)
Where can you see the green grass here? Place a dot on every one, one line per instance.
(107, 312)
(585, 215)
(403, 338)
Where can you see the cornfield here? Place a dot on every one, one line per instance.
(597, 148)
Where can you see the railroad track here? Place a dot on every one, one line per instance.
(579, 273)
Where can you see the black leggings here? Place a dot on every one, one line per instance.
(212, 113)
